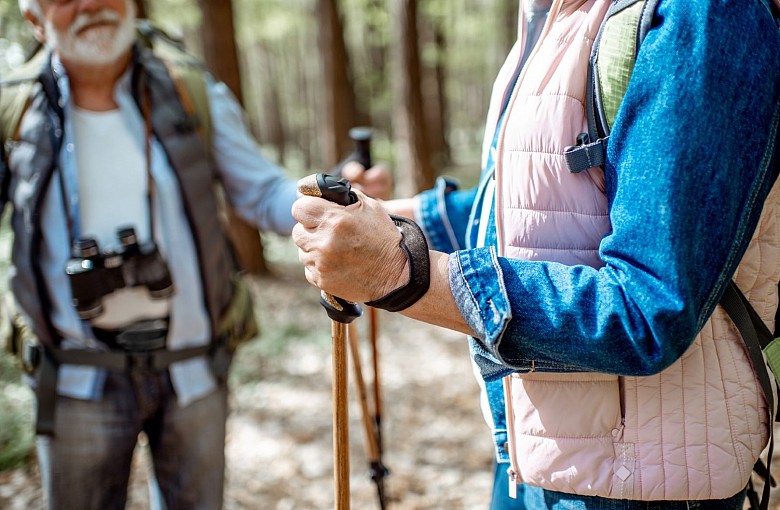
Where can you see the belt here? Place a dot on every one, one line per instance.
(158, 359)
(119, 361)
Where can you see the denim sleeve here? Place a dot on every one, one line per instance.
(258, 190)
(693, 154)
(443, 214)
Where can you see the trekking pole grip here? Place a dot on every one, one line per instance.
(361, 136)
(337, 190)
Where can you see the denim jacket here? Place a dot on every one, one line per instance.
(692, 155)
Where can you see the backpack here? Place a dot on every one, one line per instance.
(612, 58)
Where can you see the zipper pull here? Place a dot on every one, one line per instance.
(512, 484)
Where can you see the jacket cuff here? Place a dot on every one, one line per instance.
(477, 284)
(431, 215)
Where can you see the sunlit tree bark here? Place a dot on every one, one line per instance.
(413, 162)
(510, 19)
(140, 9)
(433, 93)
(339, 96)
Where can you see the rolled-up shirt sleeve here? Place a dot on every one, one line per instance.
(443, 213)
(258, 190)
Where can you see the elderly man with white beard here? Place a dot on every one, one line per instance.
(126, 306)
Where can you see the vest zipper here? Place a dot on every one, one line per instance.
(555, 9)
(514, 473)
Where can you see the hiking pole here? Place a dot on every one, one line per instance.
(372, 446)
(361, 136)
(341, 313)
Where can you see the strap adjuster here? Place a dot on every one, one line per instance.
(586, 154)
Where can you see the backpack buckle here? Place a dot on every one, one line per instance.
(585, 154)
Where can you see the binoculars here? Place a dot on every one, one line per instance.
(93, 275)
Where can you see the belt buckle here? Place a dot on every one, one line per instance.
(143, 336)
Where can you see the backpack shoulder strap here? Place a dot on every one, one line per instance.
(15, 92)
(188, 73)
(15, 95)
(759, 343)
(609, 70)
(191, 85)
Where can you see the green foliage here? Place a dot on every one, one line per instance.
(176, 16)
(15, 35)
(16, 419)
(10, 372)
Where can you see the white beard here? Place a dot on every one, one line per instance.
(97, 46)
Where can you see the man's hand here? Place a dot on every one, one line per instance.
(352, 252)
(375, 182)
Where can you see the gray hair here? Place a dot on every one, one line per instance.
(30, 6)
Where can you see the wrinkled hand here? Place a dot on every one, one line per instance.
(351, 252)
(375, 182)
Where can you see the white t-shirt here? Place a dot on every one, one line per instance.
(112, 179)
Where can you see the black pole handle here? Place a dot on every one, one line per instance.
(362, 137)
(339, 191)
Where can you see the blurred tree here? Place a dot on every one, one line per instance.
(434, 76)
(219, 48)
(413, 160)
(510, 9)
(140, 6)
(461, 44)
(340, 112)
(274, 126)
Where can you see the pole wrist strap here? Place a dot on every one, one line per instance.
(415, 248)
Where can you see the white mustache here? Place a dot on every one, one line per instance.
(84, 20)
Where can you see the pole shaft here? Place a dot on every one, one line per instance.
(340, 416)
(372, 448)
(373, 329)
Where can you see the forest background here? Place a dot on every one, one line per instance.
(419, 73)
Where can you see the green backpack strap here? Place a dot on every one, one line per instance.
(609, 70)
(188, 74)
(191, 85)
(15, 92)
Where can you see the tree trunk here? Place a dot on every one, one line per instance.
(434, 99)
(273, 123)
(510, 27)
(413, 161)
(140, 9)
(339, 94)
(219, 50)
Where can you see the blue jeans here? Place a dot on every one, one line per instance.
(500, 499)
(534, 498)
(86, 464)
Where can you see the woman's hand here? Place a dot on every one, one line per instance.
(352, 252)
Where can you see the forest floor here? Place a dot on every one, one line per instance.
(279, 442)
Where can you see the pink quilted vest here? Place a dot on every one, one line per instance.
(597, 434)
